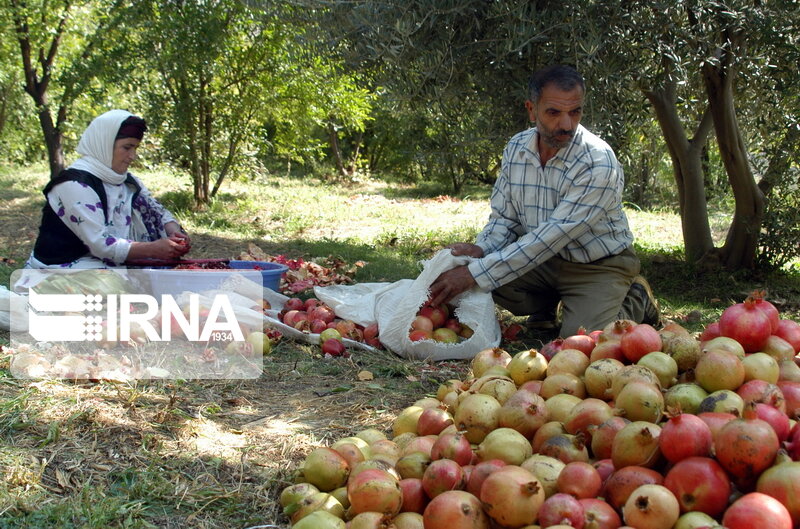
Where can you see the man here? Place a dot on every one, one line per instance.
(556, 232)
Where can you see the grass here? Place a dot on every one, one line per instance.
(215, 454)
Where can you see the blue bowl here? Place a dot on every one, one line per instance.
(270, 272)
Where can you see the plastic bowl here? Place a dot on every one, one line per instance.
(270, 272)
(173, 282)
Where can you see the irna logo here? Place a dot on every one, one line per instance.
(86, 318)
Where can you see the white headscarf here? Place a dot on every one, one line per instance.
(97, 146)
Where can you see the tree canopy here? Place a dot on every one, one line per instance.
(431, 89)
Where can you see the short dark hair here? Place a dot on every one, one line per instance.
(564, 77)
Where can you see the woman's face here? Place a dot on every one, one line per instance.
(124, 154)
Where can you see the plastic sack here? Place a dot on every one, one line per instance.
(394, 306)
(13, 311)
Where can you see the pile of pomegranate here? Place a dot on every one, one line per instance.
(628, 426)
(438, 323)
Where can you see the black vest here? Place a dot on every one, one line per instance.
(56, 243)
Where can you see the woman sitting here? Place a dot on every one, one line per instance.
(97, 214)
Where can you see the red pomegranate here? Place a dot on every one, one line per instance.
(756, 510)
(684, 435)
(746, 447)
(746, 324)
(699, 484)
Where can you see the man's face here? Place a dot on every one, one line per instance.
(556, 114)
(124, 154)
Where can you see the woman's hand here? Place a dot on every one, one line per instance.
(169, 248)
(176, 233)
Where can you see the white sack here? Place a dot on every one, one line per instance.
(394, 306)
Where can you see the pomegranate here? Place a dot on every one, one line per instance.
(550, 349)
(722, 401)
(716, 420)
(651, 507)
(718, 369)
(628, 374)
(413, 465)
(792, 444)
(603, 436)
(453, 446)
(527, 365)
(566, 448)
(546, 469)
(622, 482)
(723, 343)
(598, 514)
(599, 376)
(638, 340)
(369, 520)
(684, 435)
(580, 479)
(548, 430)
(605, 467)
(747, 324)
(636, 444)
(609, 349)
(296, 492)
(422, 443)
(477, 415)
(524, 411)
(570, 361)
(791, 392)
(487, 358)
(559, 406)
(512, 496)
(686, 396)
(386, 450)
(326, 469)
(414, 497)
(320, 520)
(374, 490)
(778, 348)
(699, 484)
(755, 391)
(442, 475)
(746, 447)
(581, 341)
(407, 520)
(406, 420)
(789, 330)
(641, 401)
(480, 473)
(455, 509)
(563, 383)
(769, 310)
(710, 332)
(352, 453)
(663, 365)
(433, 420)
(782, 482)
(561, 509)
(776, 418)
(588, 412)
(757, 510)
(505, 444)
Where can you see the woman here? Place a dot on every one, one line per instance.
(97, 214)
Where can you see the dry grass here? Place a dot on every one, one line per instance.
(215, 454)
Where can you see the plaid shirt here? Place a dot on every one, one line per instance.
(572, 208)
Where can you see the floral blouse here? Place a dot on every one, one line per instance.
(108, 240)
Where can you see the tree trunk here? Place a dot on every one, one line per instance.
(741, 242)
(687, 169)
(37, 87)
(333, 138)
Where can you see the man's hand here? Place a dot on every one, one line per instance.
(450, 284)
(464, 248)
